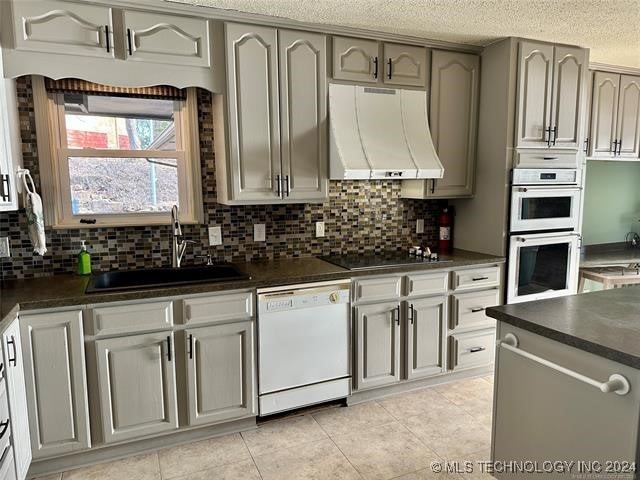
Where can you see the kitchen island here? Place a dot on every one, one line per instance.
(567, 382)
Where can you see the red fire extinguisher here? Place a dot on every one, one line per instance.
(445, 242)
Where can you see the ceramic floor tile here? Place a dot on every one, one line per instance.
(489, 379)
(205, 454)
(385, 451)
(461, 391)
(345, 420)
(478, 463)
(429, 474)
(410, 404)
(55, 476)
(283, 433)
(140, 467)
(245, 470)
(450, 434)
(311, 461)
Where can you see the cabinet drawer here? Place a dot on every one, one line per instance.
(427, 283)
(373, 289)
(472, 349)
(218, 308)
(545, 159)
(469, 309)
(131, 318)
(476, 277)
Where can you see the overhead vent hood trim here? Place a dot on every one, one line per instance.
(380, 133)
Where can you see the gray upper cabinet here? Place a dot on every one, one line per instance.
(405, 65)
(303, 114)
(615, 116)
(16, 393)
(550, 93)
(220, 372)
(160, 38)
(356, 59)
(54, 365)
(426, 326)
(535, 79)
(137, 385)
(52, 26)
(377, 344)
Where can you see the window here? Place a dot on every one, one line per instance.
(122, 160)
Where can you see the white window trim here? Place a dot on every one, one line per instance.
(54, 172)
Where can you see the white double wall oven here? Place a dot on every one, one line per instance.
(543, 234)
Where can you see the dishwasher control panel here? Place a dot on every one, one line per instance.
(303, 298)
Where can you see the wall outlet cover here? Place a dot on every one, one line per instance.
(215, 236)
(5, 252)
(319, 229)
(259, 232)
(420, 225)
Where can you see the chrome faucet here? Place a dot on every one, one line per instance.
(179, 245)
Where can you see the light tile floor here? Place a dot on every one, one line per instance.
(397, 437)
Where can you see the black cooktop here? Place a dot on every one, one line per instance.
(366, 261)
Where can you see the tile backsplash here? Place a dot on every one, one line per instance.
(359, 216)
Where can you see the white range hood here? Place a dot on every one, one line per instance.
(380, 133)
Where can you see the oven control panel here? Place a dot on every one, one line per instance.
(561, 176)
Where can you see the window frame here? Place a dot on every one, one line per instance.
(54, 165)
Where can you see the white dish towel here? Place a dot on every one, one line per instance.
(35, 215)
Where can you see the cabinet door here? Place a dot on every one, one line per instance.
(220, 372)
(172, 39)
(570, 64)
(405, 65)
(16, 393)
(303, 114)
(10, 143)
(377, 344)
(453, 120)
(604, 107)
(137, 383)
(52, 26)
(356, 59)
(425, 337)
(254, 132)
(535, 77)
(628, 120)
(55, 374)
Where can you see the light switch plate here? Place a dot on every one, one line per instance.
(5, 252)
(215, 236)
(420, 225)
(259, 232)
(319, 229)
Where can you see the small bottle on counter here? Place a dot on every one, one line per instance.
(84, 261)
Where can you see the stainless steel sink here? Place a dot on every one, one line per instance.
(119, 280)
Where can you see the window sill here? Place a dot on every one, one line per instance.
(122, 223)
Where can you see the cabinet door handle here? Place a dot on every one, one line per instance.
(477, 279)
(169, 356)
(190, 346)
(390, 65)
(375, 67)
(5, 190)
(287, 189)
(278, 185)
(615, 146)
(397, 310)
(5, 426)
(129, 41)
(549, 158)
(433, 186)
(548, 130)
(555, 134)
(13, 360)
(620, 146)
(106, 37)
(586, 145)
(412, 317)
(477, 349)
(477, 309)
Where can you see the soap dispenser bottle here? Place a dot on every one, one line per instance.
(84, 261)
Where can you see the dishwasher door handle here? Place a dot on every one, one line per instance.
(617, 383)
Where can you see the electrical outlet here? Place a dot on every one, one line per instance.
(259, 232)
(420, 225)
(4, 247)
(215, 236)
(319, 229)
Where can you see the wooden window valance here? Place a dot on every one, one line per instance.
(83, 86)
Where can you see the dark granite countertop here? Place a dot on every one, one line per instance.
(68, 290)
(605, 323)
(609, 254)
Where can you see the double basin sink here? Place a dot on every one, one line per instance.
(122, 280)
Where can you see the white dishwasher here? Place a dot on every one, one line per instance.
(304, 336)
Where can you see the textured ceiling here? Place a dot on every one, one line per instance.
(611, 28)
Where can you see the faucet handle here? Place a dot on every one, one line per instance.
(208, 257)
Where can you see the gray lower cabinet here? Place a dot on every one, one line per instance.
(16, 394)
(426, 331)
(137, 385)
(220, 373)
(377, 334)
(55, 374)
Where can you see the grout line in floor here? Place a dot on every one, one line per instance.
(251, 455)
